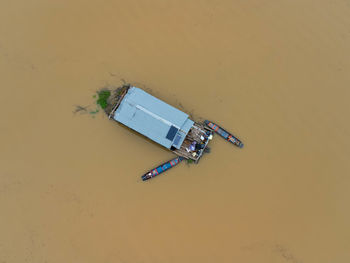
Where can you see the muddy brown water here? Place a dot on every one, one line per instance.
(274, 73)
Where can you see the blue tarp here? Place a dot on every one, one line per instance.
(153, 118)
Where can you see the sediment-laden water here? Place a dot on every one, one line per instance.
(274, 73)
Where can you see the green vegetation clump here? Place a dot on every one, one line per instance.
(103, 96)
(94, 112)
(189, 161)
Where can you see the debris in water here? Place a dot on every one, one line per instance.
(80, 109)
(103, 96)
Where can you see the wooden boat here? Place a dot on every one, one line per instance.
(162, 168)
(226, 135)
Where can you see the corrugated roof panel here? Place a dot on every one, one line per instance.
(150, 116)
(177, 141)
(152, 104)
(181, 134)
(187, 125)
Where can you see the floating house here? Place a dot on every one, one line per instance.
(159, 121)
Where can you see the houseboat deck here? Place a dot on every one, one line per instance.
(196, 134)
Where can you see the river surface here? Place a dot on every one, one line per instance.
(274, 73)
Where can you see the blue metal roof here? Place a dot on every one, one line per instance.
(153, 118)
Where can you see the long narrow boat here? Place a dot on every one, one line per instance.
(226, 135)
(162, 168)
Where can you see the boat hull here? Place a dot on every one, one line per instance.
(162, 168)
(226, 135)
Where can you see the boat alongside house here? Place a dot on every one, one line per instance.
(162, 168)
(226, 135)
(163, 124)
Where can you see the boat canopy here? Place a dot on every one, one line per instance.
(153, 118)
